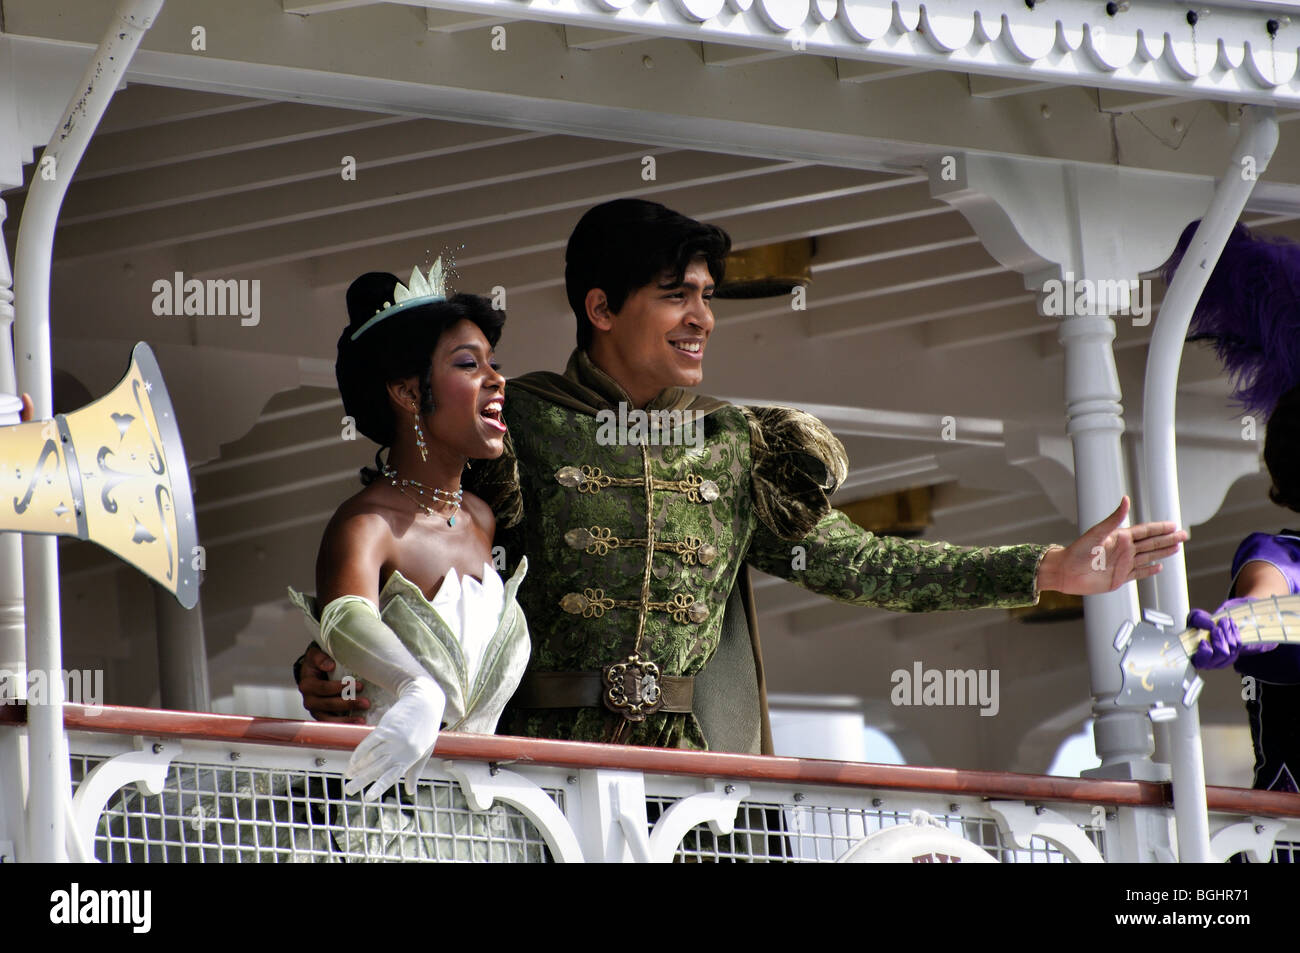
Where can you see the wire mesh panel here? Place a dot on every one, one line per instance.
(805, 832)
(213, 813)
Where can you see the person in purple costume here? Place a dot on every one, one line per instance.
(1250, 310)
(1266, 565)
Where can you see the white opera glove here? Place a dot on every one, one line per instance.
(401, 743)
(353, 633)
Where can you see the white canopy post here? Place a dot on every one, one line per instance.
(13, 660)
(1249, 159)
(49, 776)
(1081, 234)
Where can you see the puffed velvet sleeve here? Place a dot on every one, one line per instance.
(797, 463)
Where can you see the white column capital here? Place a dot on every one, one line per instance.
(1045, 217)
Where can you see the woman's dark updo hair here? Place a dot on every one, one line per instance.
(399, 346)
(1282, 450)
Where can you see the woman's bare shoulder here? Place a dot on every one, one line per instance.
(357, 542)
(363, 519)
(480, 513)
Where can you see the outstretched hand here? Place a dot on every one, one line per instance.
(1107, 556)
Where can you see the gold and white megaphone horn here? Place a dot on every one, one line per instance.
(114, 473)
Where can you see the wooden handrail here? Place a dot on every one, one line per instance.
(501, 749)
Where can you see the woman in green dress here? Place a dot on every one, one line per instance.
(408, 601)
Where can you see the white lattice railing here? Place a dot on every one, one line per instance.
(182, 787)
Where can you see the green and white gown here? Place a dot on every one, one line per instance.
(473, 639)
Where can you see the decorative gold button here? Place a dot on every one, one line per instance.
(568, 476)
(709, 491)
(698, 612)
(578, 538)
(574, 603)
(707, 554)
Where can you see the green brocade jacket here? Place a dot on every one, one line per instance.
(642, 547)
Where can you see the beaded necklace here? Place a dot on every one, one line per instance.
(434, 494)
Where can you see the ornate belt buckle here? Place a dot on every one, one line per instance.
(632, 688)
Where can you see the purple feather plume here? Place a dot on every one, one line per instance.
(1250, 309)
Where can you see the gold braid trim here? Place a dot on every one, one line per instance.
(593, 604)
(589, 479)
(599, 540)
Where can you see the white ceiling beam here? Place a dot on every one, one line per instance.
(896, 425)
(1125, 101)
(139, 107)
(915, 306)
(588, 38)
(251, 459)
(1010, 517)
(896, 276)
(843, 308)
(295, 487)
(721, 54)
(892, 476)
(999, 321)
(877, 243)
(266, 530)
(996, 87)
(313, 7)
(219, 135)
(451, 21)
(861, 71)
(310, 405)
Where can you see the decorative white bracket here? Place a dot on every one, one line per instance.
(925, 839)
(1254, 836)
(1044, 218)
(717, 807)
(481, 786)
(632, 821)
(1018, 822)
(147, 767)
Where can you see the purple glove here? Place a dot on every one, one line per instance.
(1223, 647)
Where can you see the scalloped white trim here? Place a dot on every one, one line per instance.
(1228, 54)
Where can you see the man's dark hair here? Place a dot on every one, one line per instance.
(399, 346)
(626, 244)
(1282, 451)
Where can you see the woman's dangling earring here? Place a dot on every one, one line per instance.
(419, 435)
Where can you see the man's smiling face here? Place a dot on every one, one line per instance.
(657, 339)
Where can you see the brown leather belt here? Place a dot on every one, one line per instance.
(587, 690)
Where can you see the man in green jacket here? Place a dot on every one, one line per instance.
(639, 505)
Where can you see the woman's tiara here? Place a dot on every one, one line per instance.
(419, 290)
